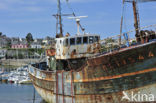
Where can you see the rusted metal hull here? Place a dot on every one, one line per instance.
(103, 78)
(96, 98)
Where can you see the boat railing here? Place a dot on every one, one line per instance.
(127, 39)
(39, 73)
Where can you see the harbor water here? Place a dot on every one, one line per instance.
(16, 93)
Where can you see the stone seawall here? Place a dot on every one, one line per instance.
(13, 63)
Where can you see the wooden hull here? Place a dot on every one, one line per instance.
(103, 78)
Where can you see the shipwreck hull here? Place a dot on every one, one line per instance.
(103, 78)
(113, 94)
(97, 98)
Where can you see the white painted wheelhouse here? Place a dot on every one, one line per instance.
(79, 46)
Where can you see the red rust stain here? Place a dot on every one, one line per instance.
(151, 54)
(89, 49)
(104, 67)
(64, 52)
(98, 48)
(141, 57)
(73, 53)
(117, 63)
(131, 60)
(50, 52)
(124, 62)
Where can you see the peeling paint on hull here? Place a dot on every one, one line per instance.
(103, 98)
(102, 79)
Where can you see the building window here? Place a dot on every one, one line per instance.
(79, 40)
(72, 41)
(85, 40)
(91, 39)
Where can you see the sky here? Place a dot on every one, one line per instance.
(19, 17)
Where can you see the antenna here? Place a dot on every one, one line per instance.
(58, 16)
(77, 18)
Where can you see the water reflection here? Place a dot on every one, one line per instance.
(16, 93)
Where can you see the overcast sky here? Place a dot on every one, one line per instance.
(18, 17)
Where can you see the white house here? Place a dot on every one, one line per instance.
(36, 46)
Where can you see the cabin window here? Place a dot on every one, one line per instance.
(91, 39)
(72, 41)
(96, 38)
(79, 40)
(85, 40)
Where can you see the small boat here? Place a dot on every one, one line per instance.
(19, 76)
(4, 79)
(25, 81)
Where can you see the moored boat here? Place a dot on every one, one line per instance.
(79, 71)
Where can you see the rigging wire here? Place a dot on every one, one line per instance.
(122, 18)
(125, 18)
(123, 24)
(133, 30)
(67, 2)
(73, 13)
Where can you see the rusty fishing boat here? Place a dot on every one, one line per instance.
(81, 69)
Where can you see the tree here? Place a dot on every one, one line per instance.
(47, 38)
(110, 40)
(1, 33)
(9, 43)
(29, 38)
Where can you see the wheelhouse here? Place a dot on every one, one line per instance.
(76, 46)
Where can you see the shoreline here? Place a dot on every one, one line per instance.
(15, 63)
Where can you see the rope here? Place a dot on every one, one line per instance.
(67, 1)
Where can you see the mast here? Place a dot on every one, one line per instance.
(136, 18)
(121, 23)
(60, 19)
